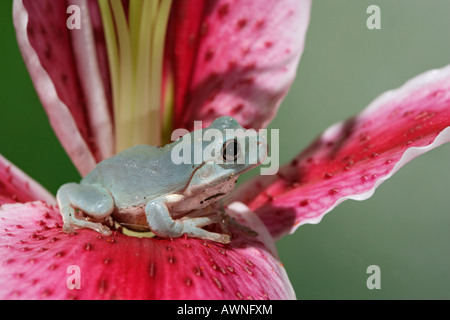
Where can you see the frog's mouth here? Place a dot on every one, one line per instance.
(217, 195)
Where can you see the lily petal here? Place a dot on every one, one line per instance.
(94, 75)
(40, 262)
(352, 158)
(239, 59)
(73, 108)
(16, 186)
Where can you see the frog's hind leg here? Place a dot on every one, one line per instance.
(95, 201)
(162, 224)
(217, 214)
(193, 228)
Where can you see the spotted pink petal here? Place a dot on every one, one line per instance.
(237, 58)
(16, 186)
(67, 77)
(38, 262)
(352, 158)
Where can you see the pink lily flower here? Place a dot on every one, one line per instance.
(218, 60)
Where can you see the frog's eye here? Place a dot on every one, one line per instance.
(230, 150)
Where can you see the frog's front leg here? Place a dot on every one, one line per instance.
(93, 200)
(162, 224)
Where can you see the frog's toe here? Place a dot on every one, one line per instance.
(192, 228)
(207, 235)
(100, 228)
(69, 227)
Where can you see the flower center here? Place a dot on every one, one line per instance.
(135, 46)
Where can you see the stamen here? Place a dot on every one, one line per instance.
(135, 54)
(134, 19)
(143, 83)
(113, 57)
(157, 65)
(126, 100)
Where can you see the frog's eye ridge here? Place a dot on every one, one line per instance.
(230, 150)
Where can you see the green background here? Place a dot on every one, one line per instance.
(404, 228)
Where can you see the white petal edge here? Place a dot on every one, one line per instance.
(60, 118)
(83, 43)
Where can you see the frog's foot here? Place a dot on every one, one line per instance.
(227, 222)
(72, 196)
(192, 227)
(162, 224)
(74, 222)
(217, 214)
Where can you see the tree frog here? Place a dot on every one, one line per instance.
(143, 188)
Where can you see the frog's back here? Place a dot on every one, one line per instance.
(139, 174)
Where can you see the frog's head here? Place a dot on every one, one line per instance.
(228, 150)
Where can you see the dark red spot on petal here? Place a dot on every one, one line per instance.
(218, 284)
(102, 286)
(238, 108)
(204, 28)
(53, 267)
(250, 66)
(152, 270)
(304, 202)
(333, 191)
(259, 23)
(197, 271)
(209, 54)
(249, 263)
(241, 23)
(46, 293)
(232, 65)
(171, 259)
(248, 271)
(223, 10)
(245, 50)
(187, 281)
